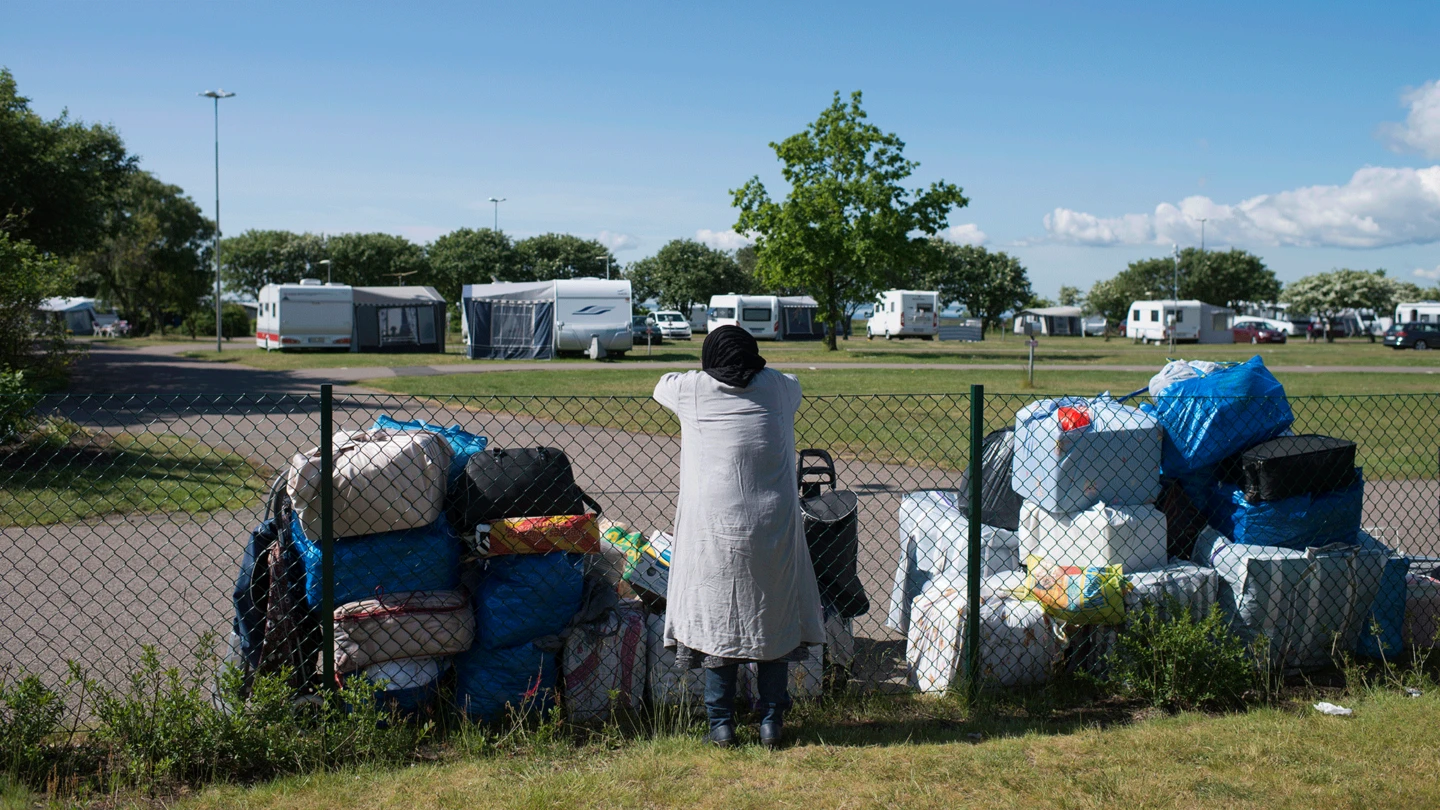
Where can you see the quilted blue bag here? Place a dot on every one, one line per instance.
(489, 683)
(422, 559)
(526, 596)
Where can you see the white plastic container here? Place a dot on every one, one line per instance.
(1132, 537)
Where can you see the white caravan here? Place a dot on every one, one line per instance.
(1193, 322)
(589, 307)
(699, 317)
(905, 313)
(757, 314)
(1418, 312)
(581, 309)
(308, 315)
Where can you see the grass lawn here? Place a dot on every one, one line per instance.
(122, 474)
(1080, 351)
(1384, 756)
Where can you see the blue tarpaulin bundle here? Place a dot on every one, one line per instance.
(489, 680)
(1299, 522)
(526, 596)
(1211, 417)
(422, 559)
(464, 443)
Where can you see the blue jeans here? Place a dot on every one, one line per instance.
(771, 682)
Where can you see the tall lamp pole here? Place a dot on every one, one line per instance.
(217, 95)
(607, 265)
(326, 262)
(1175, 297)
(497, 201)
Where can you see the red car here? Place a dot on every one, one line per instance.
(1257, 333)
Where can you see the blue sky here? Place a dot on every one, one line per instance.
(1084, 137)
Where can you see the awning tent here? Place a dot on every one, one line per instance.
(398, 319)
(77, 315)
(1051, 320)
(509, 320)
(797, 320)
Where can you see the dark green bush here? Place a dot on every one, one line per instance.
(234, 322)
(17, 404)
(1166, 658)
(30, 715)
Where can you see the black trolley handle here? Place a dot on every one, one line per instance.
(824, 467)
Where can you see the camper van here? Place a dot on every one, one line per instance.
(1418, 312)
(308, 315)
(699, 317)
(758, 314)
(1193, 322)
(905, 313)
(512, 320)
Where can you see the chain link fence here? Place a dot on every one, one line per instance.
(495, 552)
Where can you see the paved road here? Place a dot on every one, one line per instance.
(94, 591)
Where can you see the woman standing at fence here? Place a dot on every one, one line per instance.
(742, 588)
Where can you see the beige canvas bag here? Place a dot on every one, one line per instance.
(385, 480)
(408, 624)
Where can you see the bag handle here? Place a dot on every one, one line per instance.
(824, 468)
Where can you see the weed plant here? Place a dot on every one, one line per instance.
(1167, 658)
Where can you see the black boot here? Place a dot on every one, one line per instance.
(722, 736)
(771, 734)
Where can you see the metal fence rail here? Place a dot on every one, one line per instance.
(125, 521)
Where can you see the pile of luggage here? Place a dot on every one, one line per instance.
(1092, 508)
(485, 574)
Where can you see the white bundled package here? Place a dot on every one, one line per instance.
(1019, 644)
(935, 542)
(669, 684)
(1132, 537)
(605, 663)
(1177, 370)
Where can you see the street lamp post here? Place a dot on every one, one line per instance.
(217, 95)
(607, 265)
(497, 201)
(1174, 297)
(326, 262)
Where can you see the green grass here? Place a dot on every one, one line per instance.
(1293, 757)
(103, 475)
(919, 416)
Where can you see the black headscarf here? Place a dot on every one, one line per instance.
(731, 356)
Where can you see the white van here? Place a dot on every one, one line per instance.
(1193, 321)
(905, 313)
(308, 315)
(757, 314)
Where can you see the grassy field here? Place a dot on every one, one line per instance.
(922, 414)
(1079, 351)
(1384, 756)
(122, 474)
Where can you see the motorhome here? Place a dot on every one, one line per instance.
(905, 313)
(1418, 312)
(308, 315)
(699, 317)
(1192, 321)
(539, 318)
(757, 314)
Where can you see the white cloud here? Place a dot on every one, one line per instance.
(1379, 207)
(1433, 275)
(618, 241)
(723, 240)
(967, 234)
(1421, 130)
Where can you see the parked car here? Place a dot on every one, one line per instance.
(1413, 335)
(643, 330)
(672, 324)
(1252, 332)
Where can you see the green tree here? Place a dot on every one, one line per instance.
(1327, 295)
(27, 277)
(256, 258)
(472, 256)
(987, 284)
(1070, 296)
(59, 179)
(153, 262)
(376, 260)
(848, 224)
(562, 255)
(1228, 278)
(685, 272)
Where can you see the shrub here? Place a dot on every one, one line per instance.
(17, 404)
(1166, 658)
(234, 322)
(30, 715)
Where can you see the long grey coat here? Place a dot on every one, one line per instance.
(741, 581)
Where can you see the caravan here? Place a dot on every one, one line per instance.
(1418, 312)
(534, 320)
(1193, 322)
(757, 314)
(308, 315)
(905, 313)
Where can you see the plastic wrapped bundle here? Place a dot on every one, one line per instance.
(1073, 453)
(525, 597)
(1298, 522)
(423, 559)
(491, 683)
(1211, 417)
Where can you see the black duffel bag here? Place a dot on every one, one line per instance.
(999, 503)
(832, 531)
(524, 482)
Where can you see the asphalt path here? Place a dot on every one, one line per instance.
(94, 591)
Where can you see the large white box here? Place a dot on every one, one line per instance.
(1132, 537)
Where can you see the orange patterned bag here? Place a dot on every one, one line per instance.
(542, 535)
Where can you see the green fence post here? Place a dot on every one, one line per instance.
(973, 566)
(327, 538)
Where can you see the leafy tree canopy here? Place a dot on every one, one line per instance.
(988, 284)
(1070, 296)
(1327, 295)
(848, 225)
(562, 255)
(256, 258)
(376, 260)
(685, 272)
(30, 276)
(472, 256)
(1225, 278)
(59, 179)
